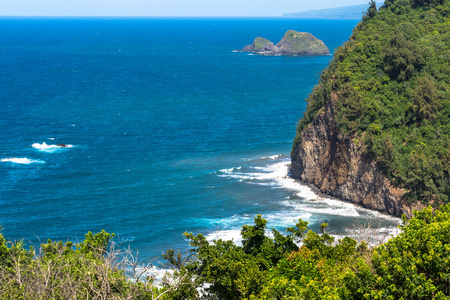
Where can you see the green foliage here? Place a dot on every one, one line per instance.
(86, 270)
(268, 266)
(371, 11)
(300, 264)
(259, 42)
(401, 58)
(413, 265)
(389, 86)
(425, 99)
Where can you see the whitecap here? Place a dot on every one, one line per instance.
(22, 160)
(321, 206)
(272, 156)
(145, 271)
(50, 148)
(235, 221)
(230, 170)
(230, 228)
(226, 235)
(275, 175)
(303, 201)
(370, 233)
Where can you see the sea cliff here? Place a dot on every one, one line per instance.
(333, 163)
(376, 131)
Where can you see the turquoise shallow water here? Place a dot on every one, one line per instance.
(169, 129)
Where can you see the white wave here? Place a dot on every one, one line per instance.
(275, 175)
(272, 156)
(152, 271)
(22, 160)
(232, 226)
(230, 170)
(320, 206)
(303, 203)
(50, 148)
(359, 209)
(286, 219)
(227, 235)
(233, 222)
(328, 206)
(372, 235)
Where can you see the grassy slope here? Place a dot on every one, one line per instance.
(259, 42)
(303, 41)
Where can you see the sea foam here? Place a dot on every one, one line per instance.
(49, 148)
(22, 160)
(276, 175)
(227, 235)
(230, 228)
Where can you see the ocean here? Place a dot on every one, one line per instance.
(167, 128)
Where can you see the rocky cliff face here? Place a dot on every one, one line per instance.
(334, 164)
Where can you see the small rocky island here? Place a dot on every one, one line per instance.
(293, 43)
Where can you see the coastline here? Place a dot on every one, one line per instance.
(322, 195)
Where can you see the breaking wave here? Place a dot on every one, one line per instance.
(302, 199)
(22, 160)
(44, 147)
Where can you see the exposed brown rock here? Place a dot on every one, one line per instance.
(335, 165)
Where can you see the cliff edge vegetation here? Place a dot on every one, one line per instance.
(413, 265)
(377, 126)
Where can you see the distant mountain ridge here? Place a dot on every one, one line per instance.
(344, 12)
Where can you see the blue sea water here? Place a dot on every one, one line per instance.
(168, 129)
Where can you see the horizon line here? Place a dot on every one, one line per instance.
(163, 17)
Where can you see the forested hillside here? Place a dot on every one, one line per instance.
(389, 88)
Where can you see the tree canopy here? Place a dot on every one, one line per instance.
(391, 82)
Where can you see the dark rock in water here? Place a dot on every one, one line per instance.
(62, 145)
(292, 44)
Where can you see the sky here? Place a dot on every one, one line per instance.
(165, 8)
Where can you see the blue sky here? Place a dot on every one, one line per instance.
(164, 7)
